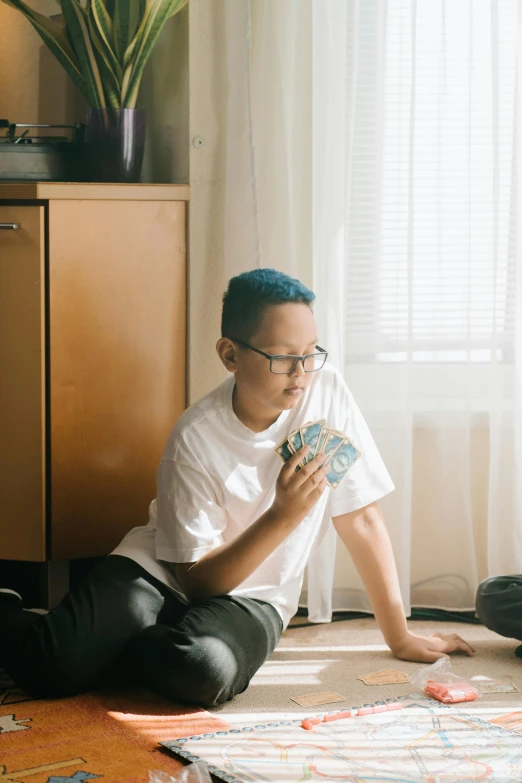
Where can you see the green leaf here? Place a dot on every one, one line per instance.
(99, 13)
(127, 20)
(156, 14)
(111, 88)
(177, 7)
(76, 19)
(53, 33)
(110, 69)
(122, 27)
(142, 7)
(101, 32)
(104, 45)
(129, 53)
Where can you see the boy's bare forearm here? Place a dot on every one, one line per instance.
(366, 538)
(368, 542)
(220, 571)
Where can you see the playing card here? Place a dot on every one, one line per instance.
(310, 434)
(321, 440)
(295, 440)
(340, 461)
(314, 699)
(495, 686)
(384, 677)
(332, 441)
(340, 451)
(284, 450)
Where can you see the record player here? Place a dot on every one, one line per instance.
(25, 155)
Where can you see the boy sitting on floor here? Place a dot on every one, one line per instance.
(192, 604)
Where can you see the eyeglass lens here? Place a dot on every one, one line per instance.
(285, 364)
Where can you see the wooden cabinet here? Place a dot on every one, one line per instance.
(92, 360)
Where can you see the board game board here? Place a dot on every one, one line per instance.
(424, 742)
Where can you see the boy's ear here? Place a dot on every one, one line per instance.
(227, 353)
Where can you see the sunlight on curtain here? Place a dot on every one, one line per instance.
(428, 270)
(377, 141)
(269, 137)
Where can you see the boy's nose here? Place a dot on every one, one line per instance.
(298, 369)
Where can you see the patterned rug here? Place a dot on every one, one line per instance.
(107, 734)
(114, 735)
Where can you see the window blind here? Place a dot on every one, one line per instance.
(432, 181)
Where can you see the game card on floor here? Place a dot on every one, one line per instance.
(314, 699)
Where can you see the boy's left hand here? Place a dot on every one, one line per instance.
(427, 649)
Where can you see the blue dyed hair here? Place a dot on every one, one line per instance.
(249, 293)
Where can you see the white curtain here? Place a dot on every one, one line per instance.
(269, 137)
(372, 151)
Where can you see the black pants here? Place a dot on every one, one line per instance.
(499, 605)
(121, 625)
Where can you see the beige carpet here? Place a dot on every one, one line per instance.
(329, 657)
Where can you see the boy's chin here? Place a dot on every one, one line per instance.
(291, 400)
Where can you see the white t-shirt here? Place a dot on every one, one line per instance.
(216, 477)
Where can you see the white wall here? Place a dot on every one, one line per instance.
(33, 86)
(164, 94)
(208, 97)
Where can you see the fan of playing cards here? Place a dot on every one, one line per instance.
(340, 451)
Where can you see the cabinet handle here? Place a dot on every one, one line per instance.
(8, 226)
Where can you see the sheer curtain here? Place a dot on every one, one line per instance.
(402, 160)
(268, 187)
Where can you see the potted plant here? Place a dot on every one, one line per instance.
(104, 46)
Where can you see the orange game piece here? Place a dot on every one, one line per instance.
(450, 692)
(338, 715)
(392, 705)
(309, 723)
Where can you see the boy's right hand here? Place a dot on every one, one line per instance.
(297, 493)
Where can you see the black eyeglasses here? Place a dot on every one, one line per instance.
(282, 364)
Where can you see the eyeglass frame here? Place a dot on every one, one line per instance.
(271, 356)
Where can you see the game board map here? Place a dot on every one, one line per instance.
(425, 742)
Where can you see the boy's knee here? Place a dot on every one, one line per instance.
(206, 689)
(204, 672)
(210, 673)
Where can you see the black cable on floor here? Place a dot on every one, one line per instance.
(435, 615)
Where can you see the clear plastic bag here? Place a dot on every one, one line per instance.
(192, 773)
(441, 683)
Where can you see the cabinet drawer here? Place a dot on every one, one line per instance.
(22, 384)
(117, 364)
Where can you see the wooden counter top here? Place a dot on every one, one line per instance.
(43, 191)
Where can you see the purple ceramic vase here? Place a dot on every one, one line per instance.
(115, 140)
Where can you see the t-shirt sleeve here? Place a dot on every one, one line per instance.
(368, 479)
(190, 520)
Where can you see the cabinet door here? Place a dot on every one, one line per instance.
(117, 353)
(22, 386)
